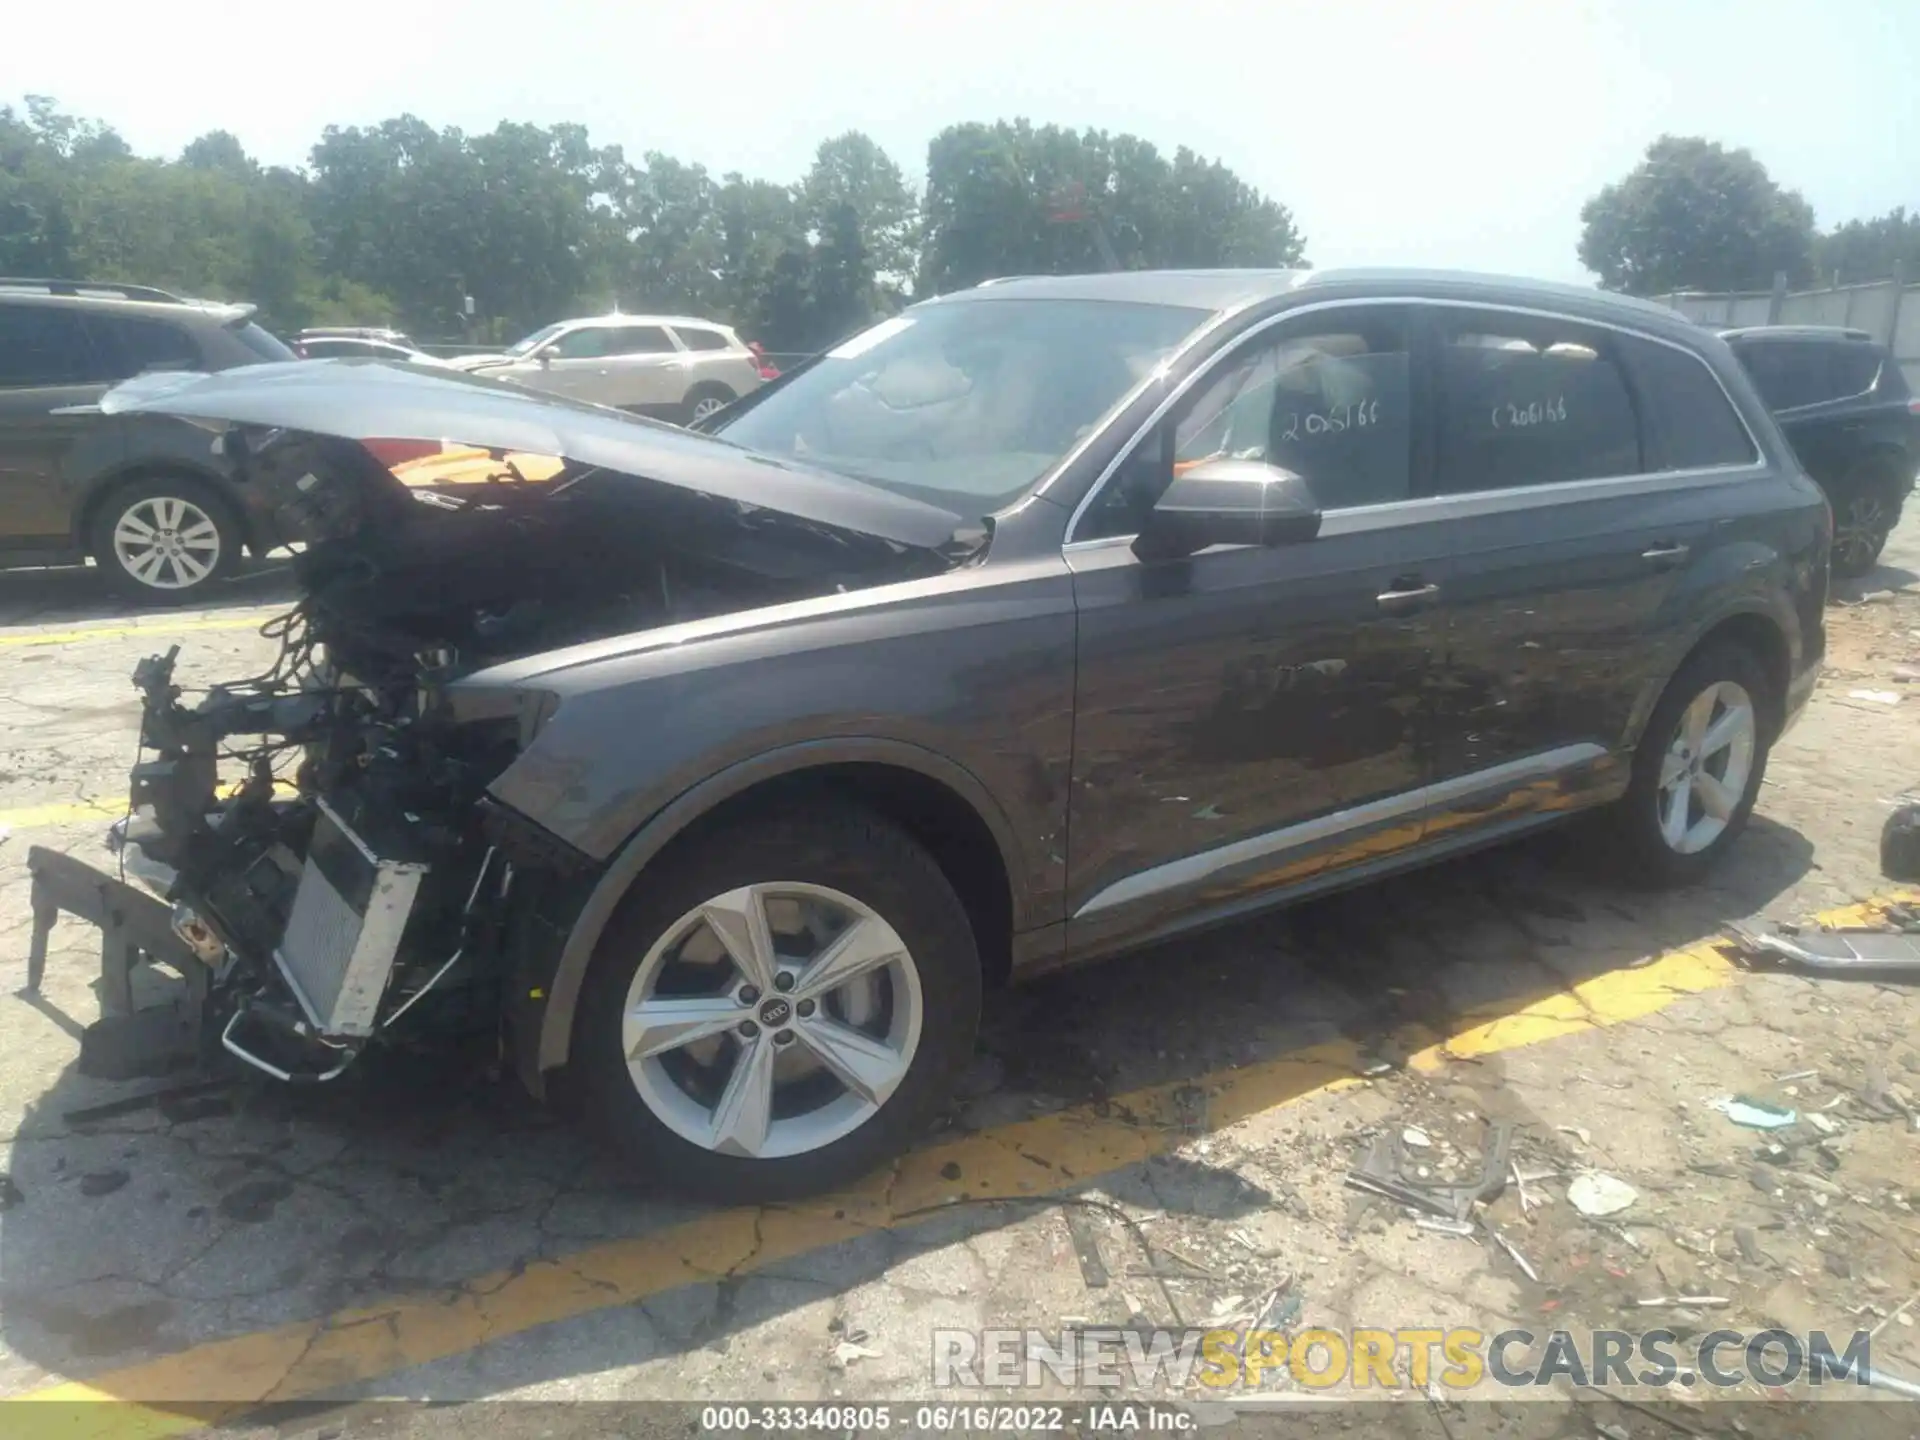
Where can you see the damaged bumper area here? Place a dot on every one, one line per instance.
(314, 848)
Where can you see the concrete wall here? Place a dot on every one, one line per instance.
(1886, 310)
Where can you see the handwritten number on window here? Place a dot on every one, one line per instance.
(1331, 422)
(1521, 417)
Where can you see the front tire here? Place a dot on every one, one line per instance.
(779, 1006)
(1698, 769)
(166, 540)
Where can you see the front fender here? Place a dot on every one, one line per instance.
(563, 989)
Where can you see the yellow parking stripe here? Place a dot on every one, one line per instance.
(44, 817)
(223, 1379)
(160, 628)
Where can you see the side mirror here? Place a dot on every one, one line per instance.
(1228, 502)
(545, 357)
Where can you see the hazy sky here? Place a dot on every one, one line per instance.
(1446, 132)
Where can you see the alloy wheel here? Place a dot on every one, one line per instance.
(705, 406)
(166, 542)
(1860, 528)
(772, 1020)
(1708, 762)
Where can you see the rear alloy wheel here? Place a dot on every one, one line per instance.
(1699, 766)
(780, 1008)
(1863, 518)
(165, 539)
(707, 400)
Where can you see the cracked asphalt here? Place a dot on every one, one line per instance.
(423, 1230)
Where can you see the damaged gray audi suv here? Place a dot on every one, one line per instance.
(718, 775)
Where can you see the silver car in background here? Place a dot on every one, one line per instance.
(667, 366)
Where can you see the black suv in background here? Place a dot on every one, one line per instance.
(1850, 417)
(146, 496)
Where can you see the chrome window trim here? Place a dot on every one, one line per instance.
(1191, 870)
(1757, 464)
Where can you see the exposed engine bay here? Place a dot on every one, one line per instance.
(322, 830)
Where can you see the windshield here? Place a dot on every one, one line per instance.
(538, 337)
(965, 404)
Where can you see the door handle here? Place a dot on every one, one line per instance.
(1401, 602)
(1666, 555)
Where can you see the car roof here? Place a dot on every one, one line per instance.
(218, 312)
(1226, 290)
(625, 319)
(1828, 333)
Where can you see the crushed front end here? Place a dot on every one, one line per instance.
(314, 847)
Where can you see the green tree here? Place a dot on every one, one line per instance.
(1865, 250)
(1694, 215)
(1012, 198)
(853, 173)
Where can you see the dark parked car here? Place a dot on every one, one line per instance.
(146, 496)
(1847, 411)
(717, 777)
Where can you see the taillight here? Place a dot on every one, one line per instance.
(1913, 406)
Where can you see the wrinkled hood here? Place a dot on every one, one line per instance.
(375, 400)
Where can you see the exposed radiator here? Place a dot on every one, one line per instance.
(343, 933)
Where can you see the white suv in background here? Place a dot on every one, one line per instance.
(667, 366)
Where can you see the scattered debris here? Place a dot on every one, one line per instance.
(1417, 1138)
(1445, 1227)
(1380, 1173)
(1857, 951)
(1514, 1254)
(1086, 1245)
(1899, 1315)
(102, 1182)
(1748, 1240)
(1700, 1302)
(1797, 1075)
(1900, 844)
(1594, 1193)
(1876, 697)
(1579, 1132)
(1825, 1124)
(1754, 1114)
(848, 1351)
(10, 1193)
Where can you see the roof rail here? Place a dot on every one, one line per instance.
(88, 287)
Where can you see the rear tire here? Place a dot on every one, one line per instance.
(703, 400)
(1698, 769)
(792, 1086)
(1866, 506)
(166, 541)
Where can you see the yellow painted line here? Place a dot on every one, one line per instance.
(223, 1379)
(42, 817)
(158, 628)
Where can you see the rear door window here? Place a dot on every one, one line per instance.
(639, 340)
(1529, 401)
(41, 345)
(1690, 422)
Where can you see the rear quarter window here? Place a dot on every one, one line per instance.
(1690, 422)
(695, 338)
